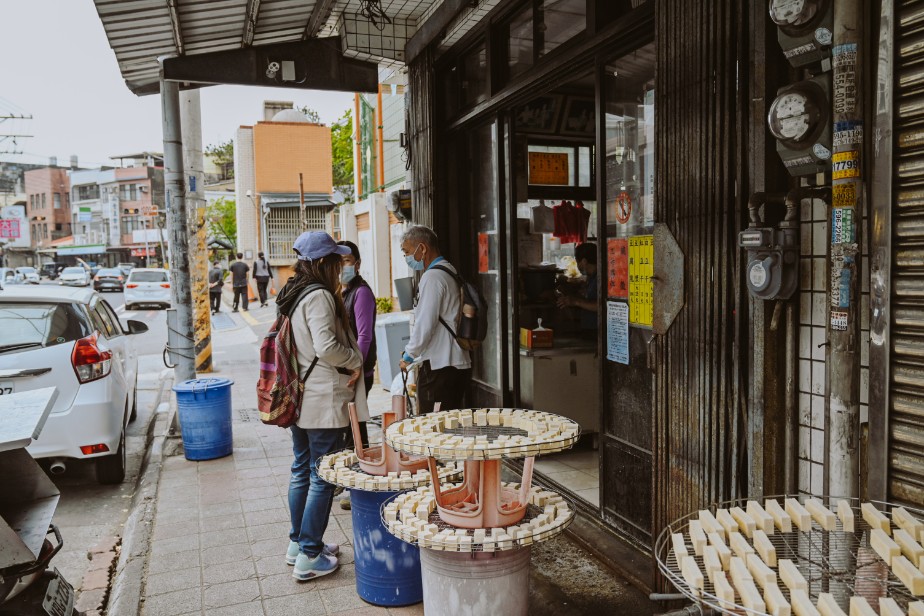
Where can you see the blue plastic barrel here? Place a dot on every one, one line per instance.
(204, 406)
(387, 569)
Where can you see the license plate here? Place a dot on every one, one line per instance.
(6, 388)
(59, 598)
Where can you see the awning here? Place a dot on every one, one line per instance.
(88, 249)
(293, 200)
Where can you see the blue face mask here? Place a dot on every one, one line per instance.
(413, 263)
(347, 274)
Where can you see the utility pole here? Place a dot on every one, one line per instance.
(848, 195)
(301, 203)
(181, 336)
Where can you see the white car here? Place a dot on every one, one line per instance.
(29, 274)
(71, 339)
(147, 285)
(74, 277)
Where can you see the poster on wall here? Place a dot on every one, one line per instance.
(617, 332)
(483, 262)
(641, 286)
(617, 268)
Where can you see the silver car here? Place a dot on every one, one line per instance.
(74, 277)
(147, 285)
(29, 274)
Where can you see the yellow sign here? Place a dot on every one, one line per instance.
(844, 195)
(548, 169)
(845, 165)
(641, 286)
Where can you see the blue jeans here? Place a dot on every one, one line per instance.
(310, 497)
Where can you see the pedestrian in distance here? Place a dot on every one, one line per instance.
(239, 271)
(360, 306)
(321, 329)
(445, 367)
(216, 282)
(262, 273)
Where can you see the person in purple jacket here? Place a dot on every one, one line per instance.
(360, 306)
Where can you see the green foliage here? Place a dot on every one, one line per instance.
(384, 305)
(221, 218)
(341, 135)
(223, 156)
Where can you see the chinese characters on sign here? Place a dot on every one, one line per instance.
(617, 268)
(617, 332)
(641, 286)
(548, 169)
(9, 229)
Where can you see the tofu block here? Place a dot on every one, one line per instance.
(763, 519)
(910, 575)
(764, 547)
(777, 605)
(908, 522)
(746, 523)
(828, 606)
(884, 546)
(790, 575)
(916, 608)
(821, 514)
(738, 570)
(680, 548)
(697, 537)
(845, 513)
(723, 590)
(859, 607)
(715, 539)
(692, 575)
(711, 561)
(762, 574)
(801, 604)
(799, 514)
(875, 518)
(750, 596)
(780, 517)
(739, 545)
(728, 523)
(709, 523)
(888, 607)
(911, 549)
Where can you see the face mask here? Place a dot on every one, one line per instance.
(413, 263)
(347, 274)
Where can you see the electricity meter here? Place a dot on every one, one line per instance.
(804, 29)
(800, 120)
(772, 271)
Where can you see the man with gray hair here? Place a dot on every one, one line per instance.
(445, 368)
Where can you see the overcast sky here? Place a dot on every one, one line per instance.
(57, 66)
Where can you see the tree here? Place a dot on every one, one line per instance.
(341, 136)
(221, 218)
(223, 156)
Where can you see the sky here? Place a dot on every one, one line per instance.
(57, 66)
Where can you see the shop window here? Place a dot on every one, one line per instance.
(520, 44)
(559, 21)
(475, 76)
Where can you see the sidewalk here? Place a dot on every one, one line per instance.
(221, 527)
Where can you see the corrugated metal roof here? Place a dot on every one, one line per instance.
(141, 31)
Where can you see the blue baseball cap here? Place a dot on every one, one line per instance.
(312, 245)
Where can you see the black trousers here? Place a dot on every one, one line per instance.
(262, 283)
(446, 386)
(242, 294)
(215, 301)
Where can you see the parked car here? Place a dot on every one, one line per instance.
(72, 339)
(75, 277)
(109, 279)
(29, 274)
(126, 268)
(147, 285)
(9, 276)
(49, 270)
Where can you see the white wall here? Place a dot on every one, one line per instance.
(244, 180)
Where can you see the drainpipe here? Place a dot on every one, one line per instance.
(380, 142)
(842, 428)
(357, 150)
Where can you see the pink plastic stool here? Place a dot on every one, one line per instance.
(383, 459)
(482, 501)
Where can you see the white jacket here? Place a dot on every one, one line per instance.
(438, 296)
(318, 332)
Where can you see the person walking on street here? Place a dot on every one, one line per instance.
(239, 271)
(446, 368)
(360, 306)
(262, 274)
(216, 282)
(322, 330)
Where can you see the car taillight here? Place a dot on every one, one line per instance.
(165, 285)
(90, 362)
(131, 286)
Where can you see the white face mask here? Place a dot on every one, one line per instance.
(347, 274)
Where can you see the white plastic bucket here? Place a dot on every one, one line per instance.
(466, 584)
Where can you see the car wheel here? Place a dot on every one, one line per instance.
(133, 415)
(111, 469)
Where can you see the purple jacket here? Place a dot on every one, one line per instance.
(360, 305)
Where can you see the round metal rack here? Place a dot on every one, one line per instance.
(342, 469)
(832, 561)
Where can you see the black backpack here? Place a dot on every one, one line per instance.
(472, 322)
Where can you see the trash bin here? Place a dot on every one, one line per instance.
(392, 332)
(204, 406)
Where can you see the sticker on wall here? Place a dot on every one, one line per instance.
(842, 266)
(845, 77)
(641, 286)
(617, 332)
(623, 207)
(843, 230)
(838, 320)
(483, 261)
(848, 133)
(844, 195)
(845, 165)
(617, 268)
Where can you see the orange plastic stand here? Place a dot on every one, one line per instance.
(383, 459)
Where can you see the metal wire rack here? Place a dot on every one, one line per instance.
(448, 471)
(837, 562)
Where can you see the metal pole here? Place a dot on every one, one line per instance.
(847, 202)
(181, 336)
(301, 203)
(147, 248)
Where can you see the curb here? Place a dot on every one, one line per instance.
(125, 591)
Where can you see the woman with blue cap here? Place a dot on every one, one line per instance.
(322, 332)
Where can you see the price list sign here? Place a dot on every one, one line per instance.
(548, 169)
(641, 286)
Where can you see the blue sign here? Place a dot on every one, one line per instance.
(192, 183)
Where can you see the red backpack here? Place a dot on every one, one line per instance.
(279, 388)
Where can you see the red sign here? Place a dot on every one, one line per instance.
(143, 252)
(623, 207)
(617, 268)
(483, 264)
(9, 229)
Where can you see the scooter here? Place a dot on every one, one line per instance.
(29, 586)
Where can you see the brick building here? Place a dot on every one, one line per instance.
(48, 207)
